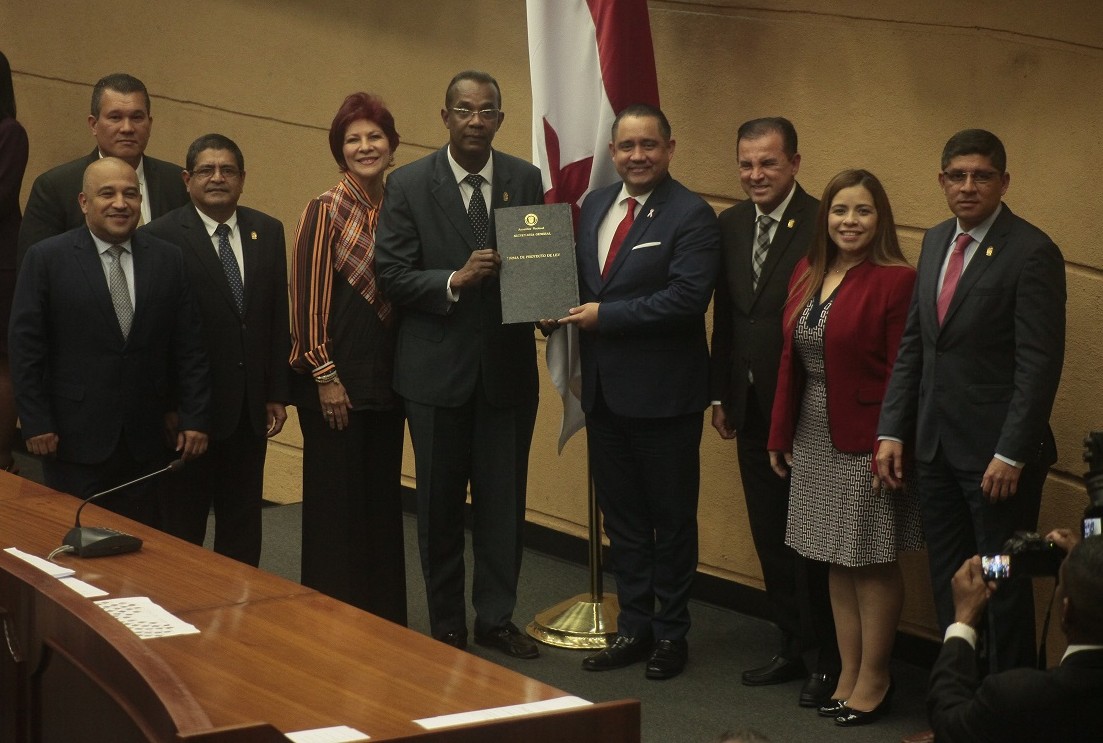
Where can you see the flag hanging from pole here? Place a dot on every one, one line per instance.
(588, 59)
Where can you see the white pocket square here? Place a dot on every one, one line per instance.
(646, 245)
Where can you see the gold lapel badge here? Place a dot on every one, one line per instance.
(989, 251)
(792, 223)
(253, 235)
(505, 197)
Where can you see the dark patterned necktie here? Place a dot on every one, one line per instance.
(761, 248)
(229, 265)
(476, 210)
(120, 292)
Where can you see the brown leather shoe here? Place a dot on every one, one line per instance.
(926, 736)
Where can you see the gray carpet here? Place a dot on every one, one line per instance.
(693, 708)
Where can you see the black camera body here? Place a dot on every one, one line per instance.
(1025, 553)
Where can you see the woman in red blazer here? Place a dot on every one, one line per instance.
(848, 300)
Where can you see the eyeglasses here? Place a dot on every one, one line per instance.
(206, 172)
(980, 177)
(487, 114)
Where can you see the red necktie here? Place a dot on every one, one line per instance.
(953, 274)
(619, 235)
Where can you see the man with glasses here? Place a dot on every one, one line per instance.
(236, 264)
(469, 382)
(121, 124)
(977, 371)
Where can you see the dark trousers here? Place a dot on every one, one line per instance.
(352, 510)
(647, 477)
(229, 478)
(488, 446)
(139, 502)
(959, 522)
(796, 588)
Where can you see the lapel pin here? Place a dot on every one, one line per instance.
(792, 223)
(253, 235)
(650, 213)
(989, 251)
(505, 197)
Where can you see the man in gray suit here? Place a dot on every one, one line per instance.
(974, 382)
(121, 124)
(469, 382)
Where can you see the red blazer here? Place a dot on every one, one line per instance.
(860, 341)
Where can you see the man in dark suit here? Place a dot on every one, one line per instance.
(237, 268)
(1024, 704)
(104, 340)
(647, 254)
(121, 123)
(761, 241)
(974, 383)
(469, 382)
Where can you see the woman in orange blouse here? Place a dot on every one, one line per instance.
(342, 332)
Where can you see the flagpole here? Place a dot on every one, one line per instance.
(586, 621)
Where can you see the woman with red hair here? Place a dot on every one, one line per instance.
(342, 331)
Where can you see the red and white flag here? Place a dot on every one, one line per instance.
(588, 59)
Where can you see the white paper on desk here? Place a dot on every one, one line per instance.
(50, 568)
(337, 734)
(145, 618)
(87, 590)
(498, 713)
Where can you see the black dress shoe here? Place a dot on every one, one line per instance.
(833, 708)
(457, 640)
(510, 640)
(624, 651)
(817, 689)
(777, 671)
(854, 717)
(667, 660)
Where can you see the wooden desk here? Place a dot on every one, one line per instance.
(271, 656)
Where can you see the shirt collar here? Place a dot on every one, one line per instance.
(979, 232)
(1078, 649)
(212, 225)
(102, 246)
(459, 173)
(777, 213)
(624, 195)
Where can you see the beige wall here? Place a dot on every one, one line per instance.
(878, 88)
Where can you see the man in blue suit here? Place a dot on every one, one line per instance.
(469, 382)
(104, 341)
(647, 258)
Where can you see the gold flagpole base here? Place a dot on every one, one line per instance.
(578, 623)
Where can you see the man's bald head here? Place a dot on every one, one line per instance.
(111, 199)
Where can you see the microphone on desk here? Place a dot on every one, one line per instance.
(98, 541)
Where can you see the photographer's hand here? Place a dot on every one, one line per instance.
(1066, 539)
(971, 592)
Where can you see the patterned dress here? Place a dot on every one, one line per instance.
(834, 514)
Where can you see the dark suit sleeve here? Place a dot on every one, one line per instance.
(900, 405)
(689, 283)
(44, 216)
(28, 347)
(399, 254)
(1039, 352)
(720, 359)
(192, 371)
(278, 370)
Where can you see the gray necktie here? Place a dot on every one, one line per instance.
(761, 247)
(229, 265)
(476, 210)
(120, 294)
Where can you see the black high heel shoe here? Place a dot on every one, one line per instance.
(854, 717)
(833, 708)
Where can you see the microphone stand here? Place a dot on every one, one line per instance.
(98, 541)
